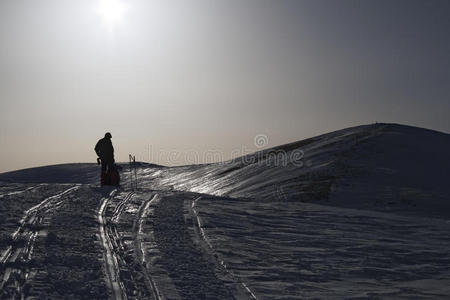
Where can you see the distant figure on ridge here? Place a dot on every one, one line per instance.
(105, 152)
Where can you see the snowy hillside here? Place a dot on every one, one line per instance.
(379, 166)
(357, 213)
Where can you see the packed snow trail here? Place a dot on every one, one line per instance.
(29, 218)
(66, 256)
(122, 216)
(191, 272)
(23, 239)
(111, 264)
(140, 249)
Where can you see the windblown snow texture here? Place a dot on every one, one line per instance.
(357, 213)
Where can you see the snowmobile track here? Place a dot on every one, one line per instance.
(111, 265)
(27, 231)
(119, 208)
(139, 250)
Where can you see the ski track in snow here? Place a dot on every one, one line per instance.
(137, 281)
(192, 271)
(120, 207)
(21, 191)
(257, 249)
(140, 248)
(27, 231)
(207, 241)
(111, 265)
(302, 250)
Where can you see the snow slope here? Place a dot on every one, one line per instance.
(357, 213)
(378, 166)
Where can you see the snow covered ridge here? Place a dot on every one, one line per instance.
(82, 173)
(379, 166)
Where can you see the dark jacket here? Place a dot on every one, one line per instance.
(104, 149)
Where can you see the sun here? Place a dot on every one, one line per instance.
(112, 12)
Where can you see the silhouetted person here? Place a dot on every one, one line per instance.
(105, 152)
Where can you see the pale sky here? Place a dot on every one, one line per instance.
(173, 80)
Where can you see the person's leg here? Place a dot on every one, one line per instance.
(110, 166)
(113, 174)
(103, 173)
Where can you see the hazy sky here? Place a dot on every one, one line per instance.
(194, 76)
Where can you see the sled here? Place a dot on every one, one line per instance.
(111, 177)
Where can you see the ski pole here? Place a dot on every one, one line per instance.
(131, 171)
(135, 171)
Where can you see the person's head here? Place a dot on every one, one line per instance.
(108, 135)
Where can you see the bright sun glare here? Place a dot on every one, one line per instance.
(112, 12)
